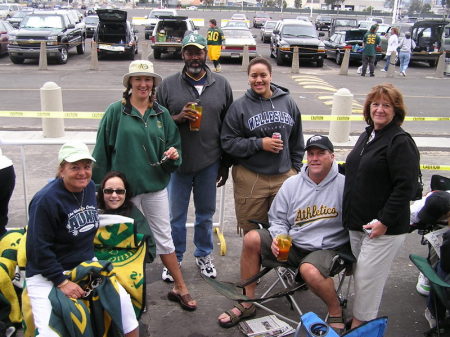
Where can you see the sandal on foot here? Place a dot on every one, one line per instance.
(337, 320)
(235, 319)
(182, 299)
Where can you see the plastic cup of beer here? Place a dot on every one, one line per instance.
(195, 125)
(284, 242)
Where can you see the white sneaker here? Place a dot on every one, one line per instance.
(403, 73)
(219, 69)
(166, 276)
(423, 285)
(430, 318)
(383, 70)
(206, 266)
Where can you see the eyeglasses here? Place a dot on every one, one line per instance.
(112, 190)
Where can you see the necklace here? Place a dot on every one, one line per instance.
(196, 79)
(78, 201)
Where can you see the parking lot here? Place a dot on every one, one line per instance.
(313, 88)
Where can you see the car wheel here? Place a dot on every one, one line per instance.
(319, 63)
(63, 56)
(81, 48)
(338, 58)
(16, 60)
(432, 63)
(280, 60)
(157, 54)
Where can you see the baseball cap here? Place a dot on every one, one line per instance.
(321, 142)
(194, 40)
(436, 205)
(74, 151)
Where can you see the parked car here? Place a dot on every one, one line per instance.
(5, 30)
(91, 22)
(427, 34)
(235, 40)
(260, 19)
(342, 24)
(376, 19)
(383, 28)
(323, 22)
(153, 18)
(294, 33)
(235, 23)
(192, 8)
(168, 34)
(57, 29)
(17, 18)
(8, 10)
(266, 30)
(239, 16)
(351, 39)
(115, 35)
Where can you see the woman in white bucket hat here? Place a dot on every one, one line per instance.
(138, 137)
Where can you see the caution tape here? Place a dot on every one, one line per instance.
(422, 166)
(99, 115)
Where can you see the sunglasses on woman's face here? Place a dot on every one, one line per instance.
(111, 191)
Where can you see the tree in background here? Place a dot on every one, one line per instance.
(369, 9)
(332, 3)
(298, 4)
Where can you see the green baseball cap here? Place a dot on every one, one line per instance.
(194, 40)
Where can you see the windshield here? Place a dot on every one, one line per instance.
(299, 31)
(91, 20)
(42, 22)
(154, 14)
(351, 23)
(237, 33)
(270, 24)
(4, 8)
(354, 35)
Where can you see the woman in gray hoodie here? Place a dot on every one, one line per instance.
(406, 46)
(263, 132)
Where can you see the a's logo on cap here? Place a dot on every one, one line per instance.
(192, 38)
(315, 138)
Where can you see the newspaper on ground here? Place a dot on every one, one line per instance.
(265, 326)
(435, 239)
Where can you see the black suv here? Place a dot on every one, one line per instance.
(295, 33)
(115, 35)
(323, 22)
(57, 29)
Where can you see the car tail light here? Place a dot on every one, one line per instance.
(252, 48)
(347, 46)
(378, 48)
(152, 39)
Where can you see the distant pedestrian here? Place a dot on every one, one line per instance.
(392, 46)
(215, 39)
(371, 40)
(406, 46)
(7, 183)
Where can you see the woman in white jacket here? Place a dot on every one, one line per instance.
(392, 46)
(406, 46)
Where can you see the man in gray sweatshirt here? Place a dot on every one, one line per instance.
(308, 207)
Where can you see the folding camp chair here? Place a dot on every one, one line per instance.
(287, 282)
(439, 289)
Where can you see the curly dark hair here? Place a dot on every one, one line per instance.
(123, 210)
(393, 95)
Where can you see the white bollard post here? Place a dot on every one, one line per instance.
(245, 59)
(43, 56)
(145, 50)
(295, 62)
(51, 100)
(94, 56)
(440, 68)
(342, 105)
(345, 62)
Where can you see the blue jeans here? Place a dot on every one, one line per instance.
(388, 62)
(404, 58)
(203, 185)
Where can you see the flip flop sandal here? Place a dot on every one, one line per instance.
(235, 319)
(182, 299)
(337, 320)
